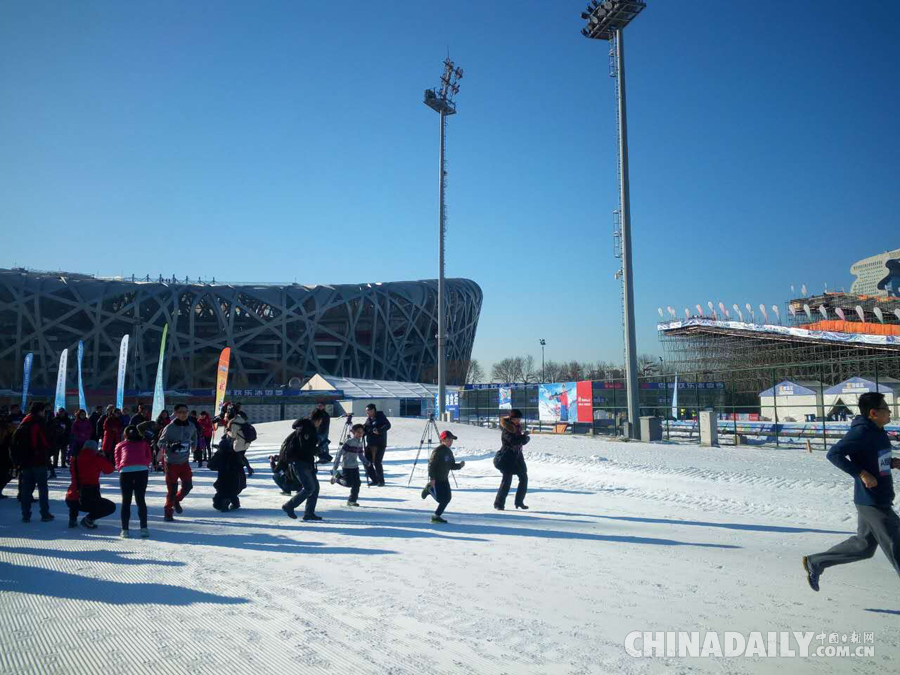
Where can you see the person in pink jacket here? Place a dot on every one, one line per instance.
(82, 430)
(133, 464)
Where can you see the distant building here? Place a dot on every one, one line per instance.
(877, 275)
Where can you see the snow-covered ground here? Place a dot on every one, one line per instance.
(620, 537)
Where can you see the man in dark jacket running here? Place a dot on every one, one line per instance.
(375, 428)
(31, 454)
(865, 453)
(440, 464)
(301, 454)
(510, 461)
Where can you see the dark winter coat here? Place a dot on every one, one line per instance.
(509, 459)
(379, 422)
(303, 445)
(232, 479)
(324, 426)
(31, 449)
(94, 419)
(441, 463)
(866, 446)
(62, 430)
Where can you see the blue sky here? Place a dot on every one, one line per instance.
(288, 140)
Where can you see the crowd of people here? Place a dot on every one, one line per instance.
(35, 445)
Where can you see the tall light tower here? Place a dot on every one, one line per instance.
(441, 101)
(606, 21)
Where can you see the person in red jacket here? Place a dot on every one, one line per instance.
(206, 428)
(31, 456)
(81, 432)
(112, 433)
(84, 491)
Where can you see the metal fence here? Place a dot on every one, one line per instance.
(790, 405)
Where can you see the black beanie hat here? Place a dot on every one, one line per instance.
(515, 413)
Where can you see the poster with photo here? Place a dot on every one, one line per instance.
(505, 398)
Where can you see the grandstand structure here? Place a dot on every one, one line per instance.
(811, 341)
(276, 333)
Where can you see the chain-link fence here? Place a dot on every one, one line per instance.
(790, 405)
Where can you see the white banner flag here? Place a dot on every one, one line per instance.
(120, 385)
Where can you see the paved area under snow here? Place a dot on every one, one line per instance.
(620, 537)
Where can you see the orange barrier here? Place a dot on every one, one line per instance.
(837, 326)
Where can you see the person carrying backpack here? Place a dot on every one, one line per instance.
(440, 464)
(84, 491)
(242, 434)
(31, 456)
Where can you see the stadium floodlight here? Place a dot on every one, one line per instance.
(860, 313)
(879, 314)
(762, 310)
(607, 20)
(440, 99)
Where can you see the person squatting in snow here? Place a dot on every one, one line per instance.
(231, 480)
(440, 464)
(346, 463)
(84, 490)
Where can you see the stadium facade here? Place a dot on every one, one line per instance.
(382, 331)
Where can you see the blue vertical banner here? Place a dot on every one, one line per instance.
(26, 378)
(81, 402)
(61, 381)
(120, 385)
(159, 394)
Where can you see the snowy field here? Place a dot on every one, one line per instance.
(620, 537)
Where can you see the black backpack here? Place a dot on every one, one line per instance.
(248, 431)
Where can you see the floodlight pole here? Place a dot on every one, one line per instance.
(631, 369)
(441, 101)
(442, 336)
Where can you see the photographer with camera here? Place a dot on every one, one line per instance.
(376, 428)
(177, 441)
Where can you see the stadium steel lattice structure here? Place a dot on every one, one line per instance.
(276, 332)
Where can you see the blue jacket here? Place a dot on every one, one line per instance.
(866, 447)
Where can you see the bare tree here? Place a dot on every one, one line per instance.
(529, 374)
(552, 371)
(475, 373)
(504, 370)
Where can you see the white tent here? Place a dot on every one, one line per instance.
(843, 398)
(791, 401)
(393, 398)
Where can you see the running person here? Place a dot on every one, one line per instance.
(440, 464)
(178, 441)
(865, 454)
(510, 461)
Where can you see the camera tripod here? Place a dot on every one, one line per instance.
(430, 428)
